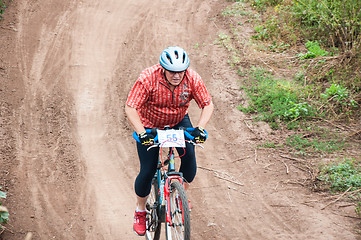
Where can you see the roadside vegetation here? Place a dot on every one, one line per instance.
(2, 8)
(4, 214)
(307, 82)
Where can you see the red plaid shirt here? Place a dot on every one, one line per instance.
(157, 105)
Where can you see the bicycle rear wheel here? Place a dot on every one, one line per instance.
(180, 215)
(153, 215)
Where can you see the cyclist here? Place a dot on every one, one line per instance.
(160, 97)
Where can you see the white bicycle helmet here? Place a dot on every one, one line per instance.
(174, 59)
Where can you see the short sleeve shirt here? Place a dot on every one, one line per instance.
(157, 105)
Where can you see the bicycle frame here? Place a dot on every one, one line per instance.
(167, 176)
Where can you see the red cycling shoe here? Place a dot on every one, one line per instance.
(139, 225)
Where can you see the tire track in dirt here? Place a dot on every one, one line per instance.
(48, 163)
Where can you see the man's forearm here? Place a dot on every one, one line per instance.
(134, 119)
(205, 115)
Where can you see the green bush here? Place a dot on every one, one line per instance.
(337, 22)
(337, 92)
(337, 99)
(342, 176)
(314, 50)
(297, 110)
(2, 8)
(4, 214)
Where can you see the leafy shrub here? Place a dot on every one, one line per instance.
(337, 22)
(2, 8)
(4, 214)
(343, 175)
(314, 50)
(297, 110)
(338, 100)
(337, 92)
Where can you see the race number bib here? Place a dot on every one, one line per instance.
(171, 138)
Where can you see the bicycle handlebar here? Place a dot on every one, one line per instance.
(187, 134)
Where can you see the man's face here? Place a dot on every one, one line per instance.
(174, 78)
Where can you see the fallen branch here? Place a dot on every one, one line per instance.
(294, 120)
(286, 166)
(237, 183)
(349, 193)
(250, 129)
(335, 125)
(292, 158)
(343, 194)
(240, 159)
(216, 174)
(255, 155)
(29, 236)
(355, 133)
(208, 169)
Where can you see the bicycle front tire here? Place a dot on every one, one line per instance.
(180, 227)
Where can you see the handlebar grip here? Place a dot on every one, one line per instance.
(189, 136)
(135, 135)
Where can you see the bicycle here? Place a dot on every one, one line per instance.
(167, 202)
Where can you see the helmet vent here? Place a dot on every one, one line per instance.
(169, 58)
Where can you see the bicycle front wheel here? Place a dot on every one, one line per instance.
(180, 227)
(153, 215)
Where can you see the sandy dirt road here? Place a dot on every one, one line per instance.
(72, 66)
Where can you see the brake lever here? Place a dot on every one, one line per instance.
(153, 146)
(195, 144)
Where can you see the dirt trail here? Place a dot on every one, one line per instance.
(75, 161)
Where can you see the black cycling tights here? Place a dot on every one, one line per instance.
(149, 160)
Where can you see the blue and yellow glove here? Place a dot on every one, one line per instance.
(146, 138)
(199, 135)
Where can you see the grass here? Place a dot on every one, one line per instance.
(236, 9)
(326, 143)
(274, 100)
(325, 85)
